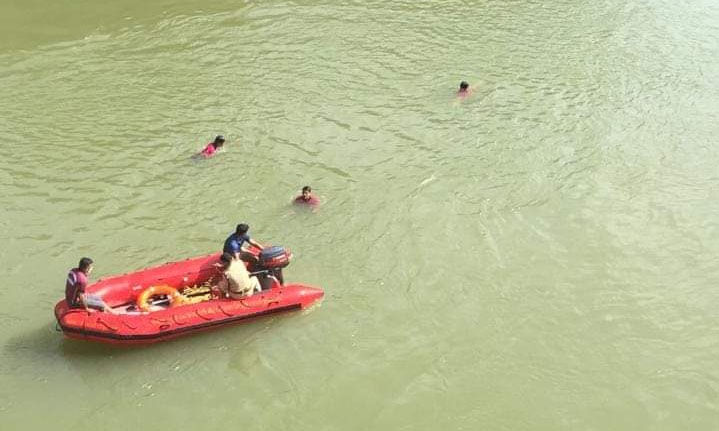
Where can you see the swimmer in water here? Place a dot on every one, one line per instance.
(307, 198)
(212, 147)
(464, 89)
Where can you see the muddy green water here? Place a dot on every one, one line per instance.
(541, 256)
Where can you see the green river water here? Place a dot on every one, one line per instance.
(540, 256)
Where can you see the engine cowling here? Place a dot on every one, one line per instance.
(274, 257)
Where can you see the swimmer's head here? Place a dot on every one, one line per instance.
(306, 190)
(463, 86)
(219, 141)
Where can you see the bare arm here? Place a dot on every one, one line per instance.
(255, 244)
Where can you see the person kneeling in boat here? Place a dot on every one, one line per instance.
(236, 282)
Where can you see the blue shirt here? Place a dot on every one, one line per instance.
(233, 243)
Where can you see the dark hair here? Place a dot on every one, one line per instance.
(306, 189)
(242, 228)
(226, 257)
(219, 139)
(463, 85)
(85, 263)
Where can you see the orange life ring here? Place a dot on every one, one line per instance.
(143, 299)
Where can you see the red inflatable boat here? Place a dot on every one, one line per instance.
(177, 306)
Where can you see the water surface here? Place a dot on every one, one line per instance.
(541, 256)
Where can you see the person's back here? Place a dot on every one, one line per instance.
(237, 281)
(234, 244)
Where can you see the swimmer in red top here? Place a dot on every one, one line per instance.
(307, 198)
(212, 147)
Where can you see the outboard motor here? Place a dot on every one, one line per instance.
(273, 259)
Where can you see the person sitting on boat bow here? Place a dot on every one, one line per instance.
(236, 282)
(234, 243)
(75, 285)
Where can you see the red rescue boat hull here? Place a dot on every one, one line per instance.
(168, 323)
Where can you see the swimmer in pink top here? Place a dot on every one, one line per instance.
(212, 147)
(307, 198)
(464, 90)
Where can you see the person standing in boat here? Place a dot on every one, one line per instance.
(236, 282)
(234, 243)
